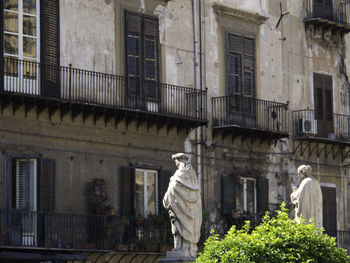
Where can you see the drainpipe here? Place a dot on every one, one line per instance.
(196, 84)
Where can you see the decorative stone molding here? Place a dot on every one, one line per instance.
(245, 16)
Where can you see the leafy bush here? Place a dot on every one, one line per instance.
(277, 239)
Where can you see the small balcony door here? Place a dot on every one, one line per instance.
(323, 105)
(21, 46)
(241, 108)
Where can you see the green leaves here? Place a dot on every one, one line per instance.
(277, 239)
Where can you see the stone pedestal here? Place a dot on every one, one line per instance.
(177, 256)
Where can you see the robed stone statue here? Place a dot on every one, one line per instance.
(308, 197)
(183, 202)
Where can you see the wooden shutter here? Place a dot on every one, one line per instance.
(127, 191)
(323, 101)
(1, 45)
(47, 187)
(49, 48)
(163, 182)
(262, 187)
(329, 210)
(20, 188)
(228, 193)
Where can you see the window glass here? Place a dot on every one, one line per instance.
(11, 22)
(29, 6)
(11, 44)
(250, 196)
(139, 193)
(247, 196)
(11, 5)
(29, 47)
(146, 192)
(29, 25)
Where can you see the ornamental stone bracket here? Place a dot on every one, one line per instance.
(245, 16)
(329, 36)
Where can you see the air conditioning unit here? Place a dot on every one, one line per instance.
(307, 126)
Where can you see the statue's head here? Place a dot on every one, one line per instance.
(180, 158)
(304, 171)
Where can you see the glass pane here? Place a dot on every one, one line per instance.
(11, 22)
(139, 192)
(29, 6)
(11, 44)
(250, 197)
(29, 25)
(151, 192)
(29, 47)
(11, 5)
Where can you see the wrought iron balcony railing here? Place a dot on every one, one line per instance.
(250, 113)
(74, 231)
(89, 87)
(333, 127)
(336, 11)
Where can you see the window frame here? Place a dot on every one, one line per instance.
(245, 194)
(145, 198)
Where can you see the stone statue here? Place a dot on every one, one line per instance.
(308, 197)
(183, 202)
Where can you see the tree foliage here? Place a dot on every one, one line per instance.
(277, 239)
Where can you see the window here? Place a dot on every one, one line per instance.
(247, 198)
(31, 183)
(323, 9)
(146, 192)
(142, 57)
(244, 194)
(142, 190)
(29, 35)
(323, 104)
(329, 196)
(241, 72)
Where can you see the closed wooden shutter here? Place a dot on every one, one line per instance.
(1, 45)
(163, 182)
(228, 193)
(127, 191)
(142, 53)
(48, 185)
(323, 101)
(49, 48)
(329, 196)
(262, 185)
(241, 73)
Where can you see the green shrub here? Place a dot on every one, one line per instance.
(277, 239)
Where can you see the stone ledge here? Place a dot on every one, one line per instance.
(254, 18)
(176, 260)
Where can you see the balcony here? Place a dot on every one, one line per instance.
(328, 17)
(333, 133)
(76, 232)
(100, 95)
(236, 115)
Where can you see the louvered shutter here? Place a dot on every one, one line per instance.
(262, 194)
(127, 191)
(133, 29)
(163, 182)
(1, 45)
(228, 193)
(20, 185)
(329, 197)
(318, 88)
(47, 185)
(49, 48)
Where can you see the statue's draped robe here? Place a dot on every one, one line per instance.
(184, 199)
(308, 200)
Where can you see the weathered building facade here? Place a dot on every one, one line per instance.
(96, 96)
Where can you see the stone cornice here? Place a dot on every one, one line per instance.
(239, 14)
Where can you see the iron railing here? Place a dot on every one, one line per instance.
(330, 127)
(74, 231)
(250, 113)
(83, 86)
(336, 11)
